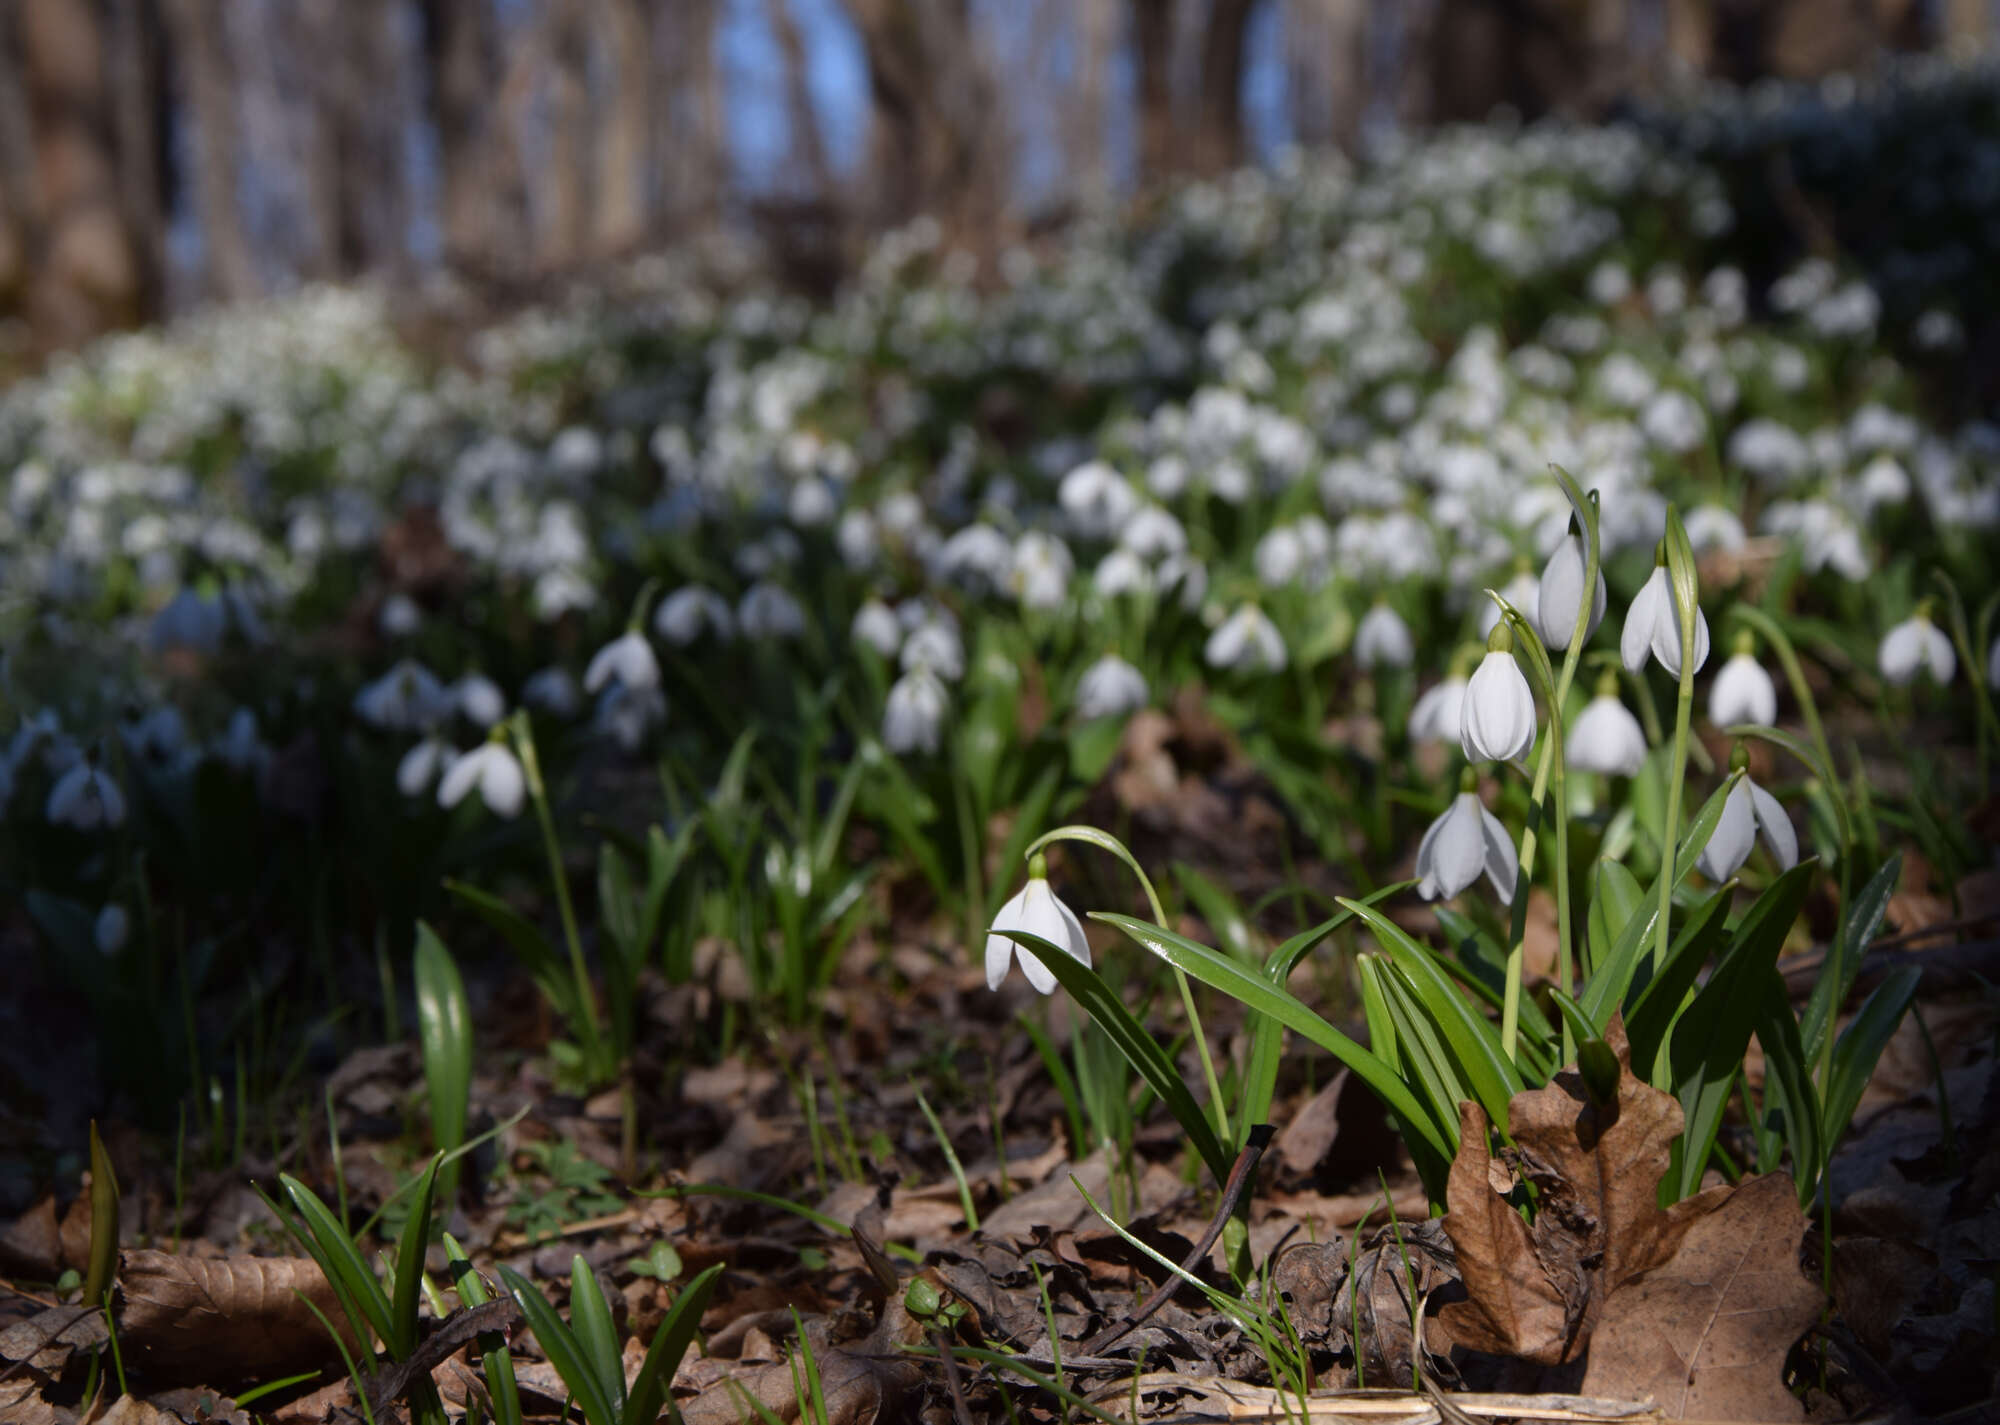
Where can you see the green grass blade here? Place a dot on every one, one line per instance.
(1286, 957)
(550, 970)
(1059, 1073)
(1224, 973)
(1615, 897)
(1650, 1014)
(1427, 1064)
(1474, 1040)
(494, 1358)
(1788, 1087)
(596, 1333)
(1860, 1046)
(1836, 980)
(329, 1245)
(410, 1267)
(670, 1343)
(1140, 1049)
(444, 1026)
(562, 1349)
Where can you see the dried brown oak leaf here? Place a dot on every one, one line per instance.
(1535, 1291)
(179, 1315)
(1707, 1334)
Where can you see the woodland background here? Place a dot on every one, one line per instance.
(156, 154)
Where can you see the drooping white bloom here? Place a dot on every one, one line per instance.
(1034, 910)
(1748, 813)
(857, 539)
(876, 626)
(812, 503)
(241, 745)
(158, 736)
(1606, 738)
(769, 612)
(1559, 596)
(562, 591)
(1246, 640)
(1497, 719)
(1186, 574)
(493, 768)
(1438, 715)
(553, 690)
(1916, 645)
(913, 716)
(1110, 687)
(112, 928)
(407, 698)
(86, 798)
(1742, 692)
(399, 616)
(1463, 842)
(1097, 499)
(1713, 527)
(690, 611)
(479, 699)
(936, 646)
(627, 660)
(423, 764)
(628, 714)
(1153, 533)
(1121, 572)
(1653, 624)
(1383, 640)
(1042, 566)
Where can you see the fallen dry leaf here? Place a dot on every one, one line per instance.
(1706, 1335)
(1535, 1291)
(177, 1314)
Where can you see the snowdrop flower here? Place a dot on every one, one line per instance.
(493, 768)
(86, 798)
(913, 716)
(1187, 574)
(240, 745)
(1713, 527)
(157, 737)
(479, 700)
(188, 621)
(1121, 572)
(876, 626)
(627, 660)
(1382, 639)
(1438, 715)
(1461, 844)
(812, 504)
(562, 591)
(1246, 640)
(1110, 687)
(857, 540)
(1034, 910)
(690, 611)
(934, 645)
(399, 616)
(1497, 720)
(1916, 645)
(112, 928)
(1653, 624)
(553, 690)
(407, 698)
(1748, 813)
(423, 764)
(1042, 565)
(1097, 499)
(1559, 595)
(769, 612)
(1743, 690)
(1153, 533)
(1606, 738)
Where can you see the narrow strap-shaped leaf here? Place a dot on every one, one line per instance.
(1473, 1039)
(1286, 957)
(410, 1265)
(550, 971)
(562, 1349)
(1861, 1044)
(1650, 1012)
(1222, 972)
(444, 1025)
(596, 1333)
(670, 1343)
(1788, 1087)
(1534, 1050)
(327, 1240)
(1709, 1040)
(1140, 1049)
(1426, 1062)
(1836, 980)
(1615, 897)
(493, 1354)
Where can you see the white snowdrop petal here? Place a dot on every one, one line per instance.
(1735, 834)
(1503, 862)
(1779, 834)
(1636, 638)
(458, 780)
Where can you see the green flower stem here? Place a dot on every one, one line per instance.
(531, 769)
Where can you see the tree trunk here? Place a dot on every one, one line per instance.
(84, 264)
(688, 119)
(1219, 139)
(1096, 41)
(462, 57)
(140, 115)
(620, 214)
(808, 144)
(1153, 50)
(934, 139)
(564, 199)
(209, 92)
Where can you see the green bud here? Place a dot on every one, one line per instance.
(1038, 867)
(923, 1299)
(1501, 640)
(1739, 758)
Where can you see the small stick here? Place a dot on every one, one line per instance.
(1232, 1191)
